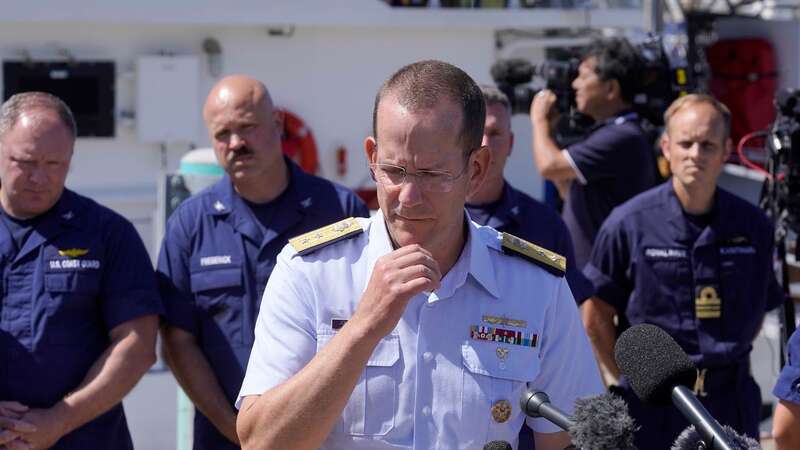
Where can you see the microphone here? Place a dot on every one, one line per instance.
(657, 368)
(498, 445)
(690, 439)
(537, 404)
(600, 422)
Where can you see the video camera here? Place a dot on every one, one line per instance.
(781, 194)
(662, 80)
(513, 76)
(783, 146)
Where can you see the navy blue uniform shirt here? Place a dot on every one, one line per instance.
(519, 214)
(81, 271)
(708, 287)
(614, 163)
(215, 261)
(788, 386)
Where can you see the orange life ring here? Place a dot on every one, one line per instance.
(298, 142)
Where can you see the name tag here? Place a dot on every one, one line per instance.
(738, 250)
(665, 253)
(215, 260)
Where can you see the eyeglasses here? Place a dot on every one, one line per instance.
(390, 175)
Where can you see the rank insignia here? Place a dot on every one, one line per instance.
(494, 320)
(503, 336)
(73, 252)
(501, 411)
(550, 261)
(707, 303)
(321, 237)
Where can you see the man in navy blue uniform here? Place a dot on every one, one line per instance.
(786, 421)
(220, 248)
(79, 311)
(498, 204)
(615, 161)
(694, 260)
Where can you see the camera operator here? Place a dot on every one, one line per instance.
(615, 161)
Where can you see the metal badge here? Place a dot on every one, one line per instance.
(501, 411)
(502, 353)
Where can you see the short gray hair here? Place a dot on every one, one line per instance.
(24, 102)
(493, 94)
(422, 85)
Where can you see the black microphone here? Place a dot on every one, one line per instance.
(690, 439)
(657, 368)
(537, 404)
(600, 422)
(498, 445)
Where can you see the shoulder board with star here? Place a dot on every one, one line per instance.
(327, 235)
(549, 261)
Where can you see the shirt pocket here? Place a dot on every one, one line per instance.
(667, 296)
(219, 296)
(494, 372)
(72, 307)
(743, 291)
(72, 290)
(372, 406)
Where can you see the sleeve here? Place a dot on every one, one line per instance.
(129, 287)
(285, 334)
(580, 285)
(601, 155)
(609, 265)
(788, 386)
(568, 370)
(174, 278)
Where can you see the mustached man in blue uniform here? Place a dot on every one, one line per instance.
(615, 161)
(220, 248)
(695, 260)
(79, 311)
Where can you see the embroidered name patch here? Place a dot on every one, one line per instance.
(739, 250)
(665, 253)
(494, 334)
(215, 260)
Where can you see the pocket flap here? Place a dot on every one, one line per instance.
(511, 362)
(386, 353)
(78, 282)
(223, 277)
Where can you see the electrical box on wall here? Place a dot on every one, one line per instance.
(167, 105)
(87, 87)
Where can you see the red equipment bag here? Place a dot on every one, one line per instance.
(744, 77)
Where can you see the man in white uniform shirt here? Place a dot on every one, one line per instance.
(416, 329)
